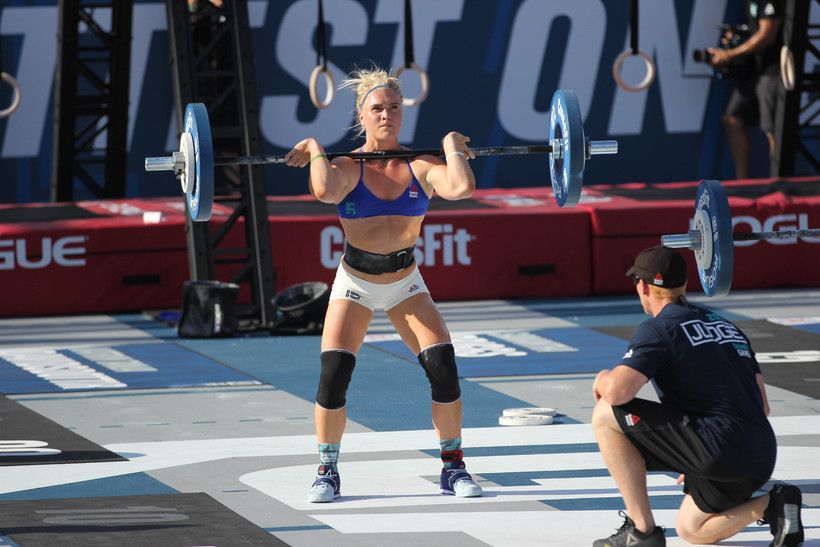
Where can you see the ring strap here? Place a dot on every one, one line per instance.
(408, 34)
(376, 264)
(321, 40)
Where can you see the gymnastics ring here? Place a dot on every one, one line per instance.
(314, 95)
(618, 65)
(15, 100)
(787, 68)
(424, 79)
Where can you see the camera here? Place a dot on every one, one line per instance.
(732, 36)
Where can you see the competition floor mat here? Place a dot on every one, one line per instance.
(27, 438)
(233, 419)
(173, 519)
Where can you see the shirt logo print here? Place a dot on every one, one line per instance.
(350, 208)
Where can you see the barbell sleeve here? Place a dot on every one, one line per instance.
(682, 241)
(170, 163)
(597, 148)
(164, 163)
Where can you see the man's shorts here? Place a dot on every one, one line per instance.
(668, 442)
(376, 295)
(753, 101)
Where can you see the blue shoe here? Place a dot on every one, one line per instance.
(326, 487)
(457, 482)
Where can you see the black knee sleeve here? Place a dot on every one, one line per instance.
(439, 363)
(337, 369)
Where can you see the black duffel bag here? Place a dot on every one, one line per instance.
(208, 309)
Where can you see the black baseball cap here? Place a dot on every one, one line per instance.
(659, 266)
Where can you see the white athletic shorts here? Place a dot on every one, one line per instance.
(376, 295)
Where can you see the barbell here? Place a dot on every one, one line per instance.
(712, 238)
(568, 149)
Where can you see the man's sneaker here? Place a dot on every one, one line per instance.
(327, 485)
(628, 536)
(783, 515)
(457, 482)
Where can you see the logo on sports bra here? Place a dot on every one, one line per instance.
(350, 208)
(414, 191)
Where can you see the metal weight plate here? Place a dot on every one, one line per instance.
(567, 171)
(712, 205)
(200, 190)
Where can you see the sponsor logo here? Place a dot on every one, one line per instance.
(15, 448)
(443, 245)
(414, 191)
(658, 279)
(350, 208)
(721, 332)
(437, 245)
(631, 419)
(353, 295)
(628, 354)
(743, 350)
(413, 288)
(66, 251)
(114, 516)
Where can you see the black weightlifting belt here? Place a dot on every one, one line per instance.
(374, 264)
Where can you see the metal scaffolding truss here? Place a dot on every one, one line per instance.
(213, 64)
(797, 118)
(91, 99)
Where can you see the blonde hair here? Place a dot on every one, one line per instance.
(363, 81)
(673, 293)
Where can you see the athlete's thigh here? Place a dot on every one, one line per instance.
(418, 322)
(345, 326)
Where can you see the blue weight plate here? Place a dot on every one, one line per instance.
(717, 278)
(200, 192)
(567, 173)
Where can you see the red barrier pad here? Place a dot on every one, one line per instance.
(628, 218)
(499, 244)
(93, 257)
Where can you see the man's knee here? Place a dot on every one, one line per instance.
(337, 370)
(602, 415)
(694, 535)
(439, 363)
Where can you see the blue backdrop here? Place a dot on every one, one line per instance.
(493, 65)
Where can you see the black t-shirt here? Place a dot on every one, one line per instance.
(768, 59)
(704, 366)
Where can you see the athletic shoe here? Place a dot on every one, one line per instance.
(457, 482)
(628, 536)
(327, 485)
(783, 515)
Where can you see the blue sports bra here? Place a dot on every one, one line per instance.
(361, 203)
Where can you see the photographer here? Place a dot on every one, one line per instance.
(752, 102)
